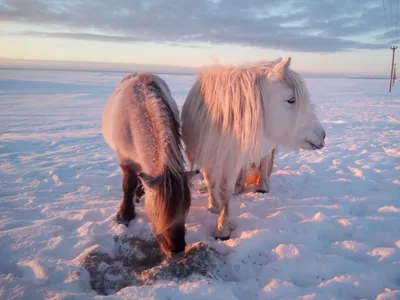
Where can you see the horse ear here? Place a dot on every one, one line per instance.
(278, 72)
(149, 180)
(277, 60)
(190, 175)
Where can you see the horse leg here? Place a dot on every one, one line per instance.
(204, 188)
(130, 182)
(265, 170)
(189, 158)
(191, 164)
(224, 226)
(139, 192)
(211, 185)
(239, 186)
(231, 167)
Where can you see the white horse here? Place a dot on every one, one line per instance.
(141, 124)
(247, 177)
(236, 115)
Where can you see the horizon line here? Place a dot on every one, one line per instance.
(117, 67)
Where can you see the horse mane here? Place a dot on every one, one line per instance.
(234, 97)
(160, 106)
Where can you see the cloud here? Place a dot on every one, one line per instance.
(292, 25)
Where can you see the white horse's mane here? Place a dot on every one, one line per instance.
(235, 98)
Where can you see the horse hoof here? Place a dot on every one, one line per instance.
(223, 233)
(222, 238)
(262, 191)
(124, 220)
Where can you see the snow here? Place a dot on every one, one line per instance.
(328, 229)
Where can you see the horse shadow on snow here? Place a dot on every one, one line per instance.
(135, 261)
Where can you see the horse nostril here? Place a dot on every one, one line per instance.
(324, 135)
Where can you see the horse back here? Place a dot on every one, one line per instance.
(131, 123)
(124, 119)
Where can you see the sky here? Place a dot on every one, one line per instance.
(321, 36)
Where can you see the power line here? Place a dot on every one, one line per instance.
(397, 21)
(393, 48)
(384, 9)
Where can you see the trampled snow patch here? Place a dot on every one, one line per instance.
(328, 228)
(138, 262)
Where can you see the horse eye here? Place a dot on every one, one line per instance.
(291, 100)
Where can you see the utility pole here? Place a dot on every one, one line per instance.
(391, 73)
(394, 75)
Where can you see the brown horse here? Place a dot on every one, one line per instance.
(141, 124)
